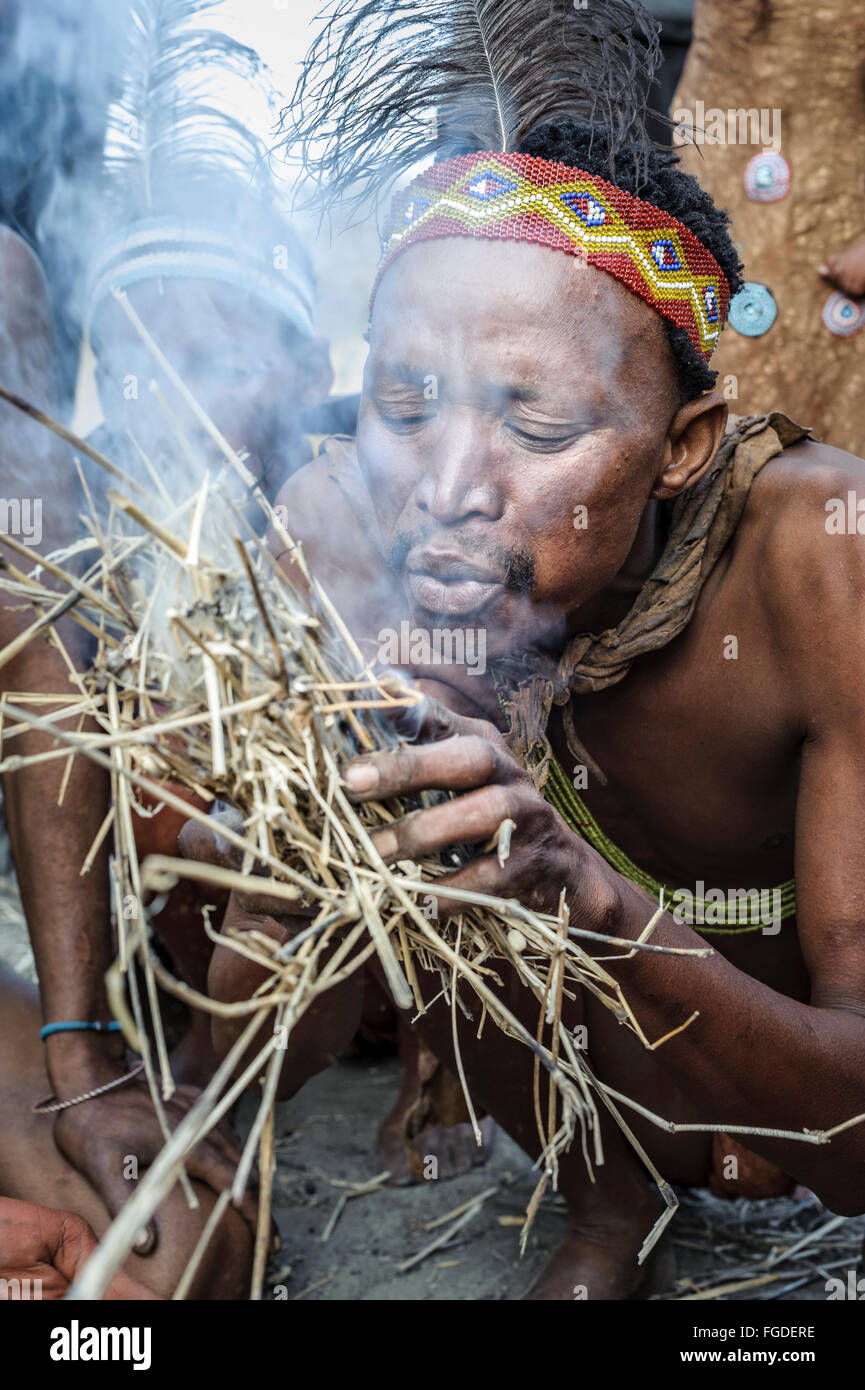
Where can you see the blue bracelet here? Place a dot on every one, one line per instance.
(77, 1027)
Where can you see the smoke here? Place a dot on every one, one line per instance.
(58, 70)
(122, 110)
(116, 114)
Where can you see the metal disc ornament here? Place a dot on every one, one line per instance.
(843, 316)
(753, 310)
(767, 177)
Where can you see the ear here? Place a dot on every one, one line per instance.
(315, 370)
(693, 440)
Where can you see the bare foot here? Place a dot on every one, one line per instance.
(437, 1151)
(600, 1262)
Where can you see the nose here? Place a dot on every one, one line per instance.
(460, 480)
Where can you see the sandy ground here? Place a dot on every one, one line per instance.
(357, 1249)
(327, 1140)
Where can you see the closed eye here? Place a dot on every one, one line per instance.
(543, 443)
(402, 419)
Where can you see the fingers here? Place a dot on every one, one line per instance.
(428, 720)
(473, 819)
(517, 881)
(846, 269)
(115, 1191)
(534, 876)
(204, 842)
(264, 903)
(457, 763)
(209, 1165)
(75, 1243)
(240, 918)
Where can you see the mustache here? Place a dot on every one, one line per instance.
(514, 563)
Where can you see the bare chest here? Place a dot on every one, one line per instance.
(701, 756)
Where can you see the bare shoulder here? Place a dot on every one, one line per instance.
(803, 498)
(306, 502)
(801, 545)
(318, 514)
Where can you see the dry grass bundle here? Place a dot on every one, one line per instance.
(214, 674)
(762, 1250)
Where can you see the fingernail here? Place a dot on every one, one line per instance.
(822, 270)
(361, 777)
(386, 844)
(145, 1240)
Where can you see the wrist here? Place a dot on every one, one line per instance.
(83, 1059)
(598, 901)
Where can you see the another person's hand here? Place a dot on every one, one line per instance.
(846, 269)
(42, 1251)
(276, 916)
(328, 1025)
(111, 1139)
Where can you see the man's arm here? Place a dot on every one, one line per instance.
(768, 1060)
(67, 913)
(753, 1057)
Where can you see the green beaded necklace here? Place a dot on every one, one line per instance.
(561, 794)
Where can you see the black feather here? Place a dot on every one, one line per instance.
(387, 84)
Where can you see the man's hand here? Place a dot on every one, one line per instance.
(846, 269)
(328, 1025)
(100, 1137)
(48, 1246)
(452, 752)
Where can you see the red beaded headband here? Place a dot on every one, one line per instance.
(518, 197)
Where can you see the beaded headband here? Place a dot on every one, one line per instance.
(518, 197)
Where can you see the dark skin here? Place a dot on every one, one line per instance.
(846, 269)
(50, 1217)
(67, 914)
(738, 772)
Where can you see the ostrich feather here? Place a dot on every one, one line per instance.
(387, 84)
(169, 129)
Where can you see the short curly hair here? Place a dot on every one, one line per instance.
(653, 174)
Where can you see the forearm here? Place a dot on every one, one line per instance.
(753, 1057)
(67, 913)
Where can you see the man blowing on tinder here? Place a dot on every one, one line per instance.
(718, 708)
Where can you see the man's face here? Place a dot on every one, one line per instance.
(242, 362)
(507, 387)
